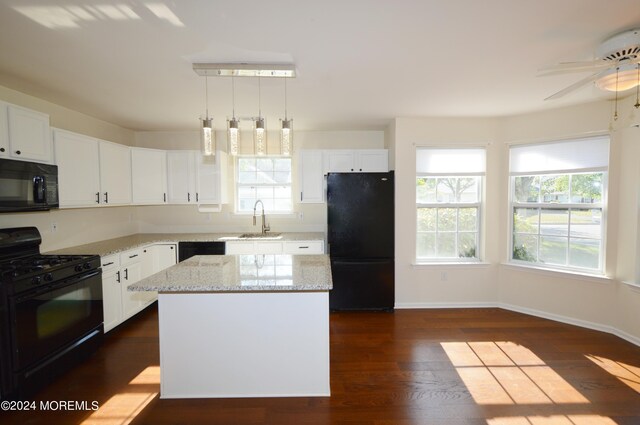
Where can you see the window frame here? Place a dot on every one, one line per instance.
(478, 205)
(238, 184)
(567, 206)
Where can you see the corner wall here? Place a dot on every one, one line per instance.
(606, 304)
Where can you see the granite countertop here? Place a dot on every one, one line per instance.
(114, 246)
(242, 273)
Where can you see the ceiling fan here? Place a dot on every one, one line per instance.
(616, 67)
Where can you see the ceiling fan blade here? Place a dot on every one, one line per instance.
(566, 67)
(577, 85)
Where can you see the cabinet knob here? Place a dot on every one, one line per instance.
(1, 149)
(18, 152)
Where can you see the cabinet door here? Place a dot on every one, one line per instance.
(4, 130)
(29, 134)
(115, 173)
(111, 299)
(239, 247)
(310, 172)
(78, 161)
(165, 255)
(181, 177)
(211, 182)
(340, 161)
(149, 176)
(268, 247)
(147, 262)
(373, 161)
(131, 301)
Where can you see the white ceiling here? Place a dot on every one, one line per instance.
(360, 63)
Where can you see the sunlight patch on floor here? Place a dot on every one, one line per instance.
(553, 420)
(123, 407)
(502, 372)
(627, 374)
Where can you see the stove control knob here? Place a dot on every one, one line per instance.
(86, 266)
(48, 277)
(78, 268)
(35, 280)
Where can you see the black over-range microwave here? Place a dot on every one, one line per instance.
(27, 186)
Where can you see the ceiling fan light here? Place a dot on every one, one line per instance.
(627, 79)
(259, 137)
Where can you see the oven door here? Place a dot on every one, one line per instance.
(27, 186)
(48, 319)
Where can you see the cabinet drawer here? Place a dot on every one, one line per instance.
(303, 247)
(131, 256)
(110, 263)
(268, 247)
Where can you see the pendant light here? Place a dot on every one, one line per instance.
(286, 131)
(259, 130)
(207, 136)
(233, 128)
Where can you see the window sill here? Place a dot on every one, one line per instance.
(597, 278)
(462, 264)
(633, 285)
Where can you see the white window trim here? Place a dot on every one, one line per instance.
(576, 271)
(281, 214)
(478, 259)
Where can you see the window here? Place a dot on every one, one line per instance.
(448, 200)
(266, 179)
(557, 200)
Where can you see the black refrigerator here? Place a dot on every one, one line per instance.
(360, 214)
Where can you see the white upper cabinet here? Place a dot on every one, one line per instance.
(357, 161)
(372, 161)
(311, 176)
(211, 178)
(24, 134)
(78, 160)
(181, 173)
(149, 176)
(115, 173)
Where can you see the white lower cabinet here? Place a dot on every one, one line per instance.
(275, 247)
(121, 270)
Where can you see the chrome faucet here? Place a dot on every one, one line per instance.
(265, 226)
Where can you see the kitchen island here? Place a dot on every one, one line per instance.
(243, 326)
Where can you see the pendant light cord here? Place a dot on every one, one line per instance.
(206, 95)
(259, 99)
(233, 97)
(285, 99)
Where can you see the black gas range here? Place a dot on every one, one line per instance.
(50, 312)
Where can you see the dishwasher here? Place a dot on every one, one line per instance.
(189, 249)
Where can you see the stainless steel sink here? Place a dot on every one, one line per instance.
(260, 236)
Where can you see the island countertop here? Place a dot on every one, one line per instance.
(242, 273)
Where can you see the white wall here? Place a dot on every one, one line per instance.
(600, 303)
(425, 286)
(78, 226)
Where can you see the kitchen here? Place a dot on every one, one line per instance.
(487, 284)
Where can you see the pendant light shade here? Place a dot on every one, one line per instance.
(207, 135)
(286, 137)
(260, 137)
(286, 130)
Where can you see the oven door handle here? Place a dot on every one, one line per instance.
(55, 286)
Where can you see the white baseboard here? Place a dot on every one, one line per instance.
(402, 306)
(530, 311)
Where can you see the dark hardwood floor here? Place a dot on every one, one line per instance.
(449, 366)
